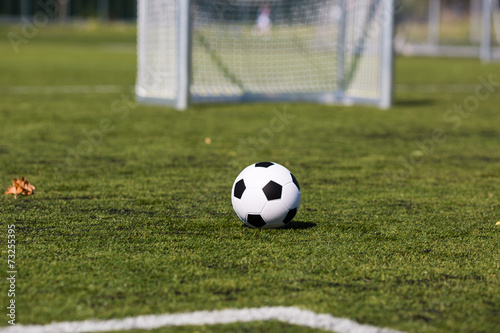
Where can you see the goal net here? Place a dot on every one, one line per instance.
(327, 51)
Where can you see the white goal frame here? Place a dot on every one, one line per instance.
(151, 87)
(480, 17)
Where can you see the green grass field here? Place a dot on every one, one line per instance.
(132, 212)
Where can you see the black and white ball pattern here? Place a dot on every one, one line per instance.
(266, 195)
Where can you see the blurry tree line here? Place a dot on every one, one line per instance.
(229, 10)
(63, 10)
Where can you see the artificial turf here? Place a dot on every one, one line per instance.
(132, 212)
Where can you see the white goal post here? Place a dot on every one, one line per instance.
(325, 51)
(449, 28)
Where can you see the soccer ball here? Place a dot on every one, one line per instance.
(265, 195)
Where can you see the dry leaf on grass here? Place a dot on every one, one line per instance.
(20, 186)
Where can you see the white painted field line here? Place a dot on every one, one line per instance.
(111, 89)
(433, 88)
(290, 315)
(79, 89)
(119, 47)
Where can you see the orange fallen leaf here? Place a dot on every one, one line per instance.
(20, 186)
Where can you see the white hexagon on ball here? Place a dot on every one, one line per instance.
(290, 197)
(274, 214)
(253, 200)
(265, 195)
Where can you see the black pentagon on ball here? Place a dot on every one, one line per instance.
(263, 164)
(256, 221)
(272, 190)
(291, 214)
(295, 181)
(239, 188)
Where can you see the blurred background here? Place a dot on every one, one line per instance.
(458, 28)
(70, 11)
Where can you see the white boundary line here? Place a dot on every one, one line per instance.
(80, 89)
(290, 315)
(433, 88)
(112, 89)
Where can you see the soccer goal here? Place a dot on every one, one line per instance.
(451, 28)
(325, 51)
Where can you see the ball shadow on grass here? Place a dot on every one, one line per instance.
(291, 225)
(299, 225)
